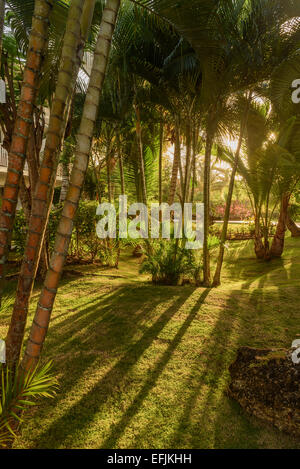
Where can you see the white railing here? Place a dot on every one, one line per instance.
(4, 162)
(88, 62)
(59, 172)
(3, 156)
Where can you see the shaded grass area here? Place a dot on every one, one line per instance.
(143, 366)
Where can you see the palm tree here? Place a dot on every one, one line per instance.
(45, 186)
(288, 180)
(217, 276)
(292, 226)
(140, 147)
(277, 246)
(214, 30)
(283, 76)
(271, 169)
(36, 52)
(84, 142)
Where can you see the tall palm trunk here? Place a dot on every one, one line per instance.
(84, 141)
(36, 51)
(44, 190)
(195, 141)
(175, 168)
(161, 138)
(108, 171)
(258, 243)
(140, 153)
(122, 179)
(33, 161)
(292, 227)
(210, 134)
(187, 175)
(121, 166)
(277, 246)
(217, 276)
(206, 197)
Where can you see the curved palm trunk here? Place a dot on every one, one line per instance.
(217, 276)
(175, 167)
(84, 141)
(36, 51)
(44, 190)
(277, 246)
(292, 227)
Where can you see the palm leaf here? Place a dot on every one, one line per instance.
(17, 391)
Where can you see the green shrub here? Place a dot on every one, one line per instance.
(169, 263)
(84, 246)
(19, 233)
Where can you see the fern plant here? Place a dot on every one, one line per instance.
(19, 391)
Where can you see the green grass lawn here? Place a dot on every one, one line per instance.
(141, 366)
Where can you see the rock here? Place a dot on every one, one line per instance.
(266, 383)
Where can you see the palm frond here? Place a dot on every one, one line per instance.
(20, 390)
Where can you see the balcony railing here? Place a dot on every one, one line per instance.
(3, 156)
(4, 162)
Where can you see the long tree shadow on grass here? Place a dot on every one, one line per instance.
(82, 413)
(206, 378)
(203, 423)
(210, 418)
(266, 317)
(242, 265)
(118, 430)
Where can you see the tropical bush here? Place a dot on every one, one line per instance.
(238, 211)
(84, 245)
(19, 233)
(170, 263)
(239, 232)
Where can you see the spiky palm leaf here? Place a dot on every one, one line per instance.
(19, 391)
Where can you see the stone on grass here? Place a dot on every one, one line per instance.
(266, 383)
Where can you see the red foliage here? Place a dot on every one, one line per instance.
(238, 211)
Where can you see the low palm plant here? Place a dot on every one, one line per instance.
(167, 263)
(17, 392)
(170, 263)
